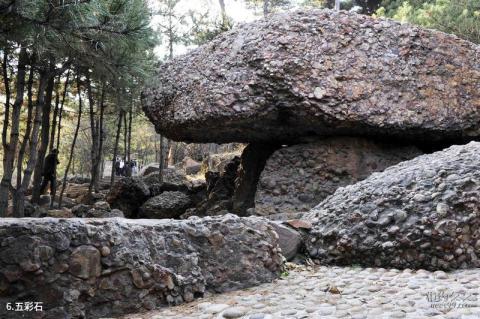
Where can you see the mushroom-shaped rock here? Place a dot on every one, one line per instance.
(422, 213)
(321, 73)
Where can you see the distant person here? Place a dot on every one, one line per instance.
(118, 171)
(127, 170)
(122, 167)
(49, 172)
(135, 168)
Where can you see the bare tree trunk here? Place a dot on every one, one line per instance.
(337, 5)
(223, 12)
(115, 147)
(32, 147)
(157, 153)
(125, 137)
(99, 151)
(161, 161)
(45, 134)
(65, 87)
(129, 145)
(72, 149)
(6, 82)
(5, 186)
(28, 129)
(55, 114)
(94, 136)
(266, 7)
(10, 151)
(171, 154)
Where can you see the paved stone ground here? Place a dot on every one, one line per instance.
(343, 292)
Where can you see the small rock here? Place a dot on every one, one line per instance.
(234, 312)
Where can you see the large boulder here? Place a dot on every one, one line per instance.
(107, 267)
(149, 169)
(170, 175)
(422, 213)
(320, 72)
(128, 194)
(166, 205)
(298, 177)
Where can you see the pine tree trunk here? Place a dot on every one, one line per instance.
(167, 152)
(130, 116)
(266, 7)
(94, 136)
(28, 129)
(115, 147)
(61, 110)
(125, 137)
(45, 136)
(32, 147)
(161, 161)
(55, 115)
(6, 83)
(224, 13)
(99, 152)
(19, 193)
(10, 151)
(72, 148)
(4, 188)
(171, 154)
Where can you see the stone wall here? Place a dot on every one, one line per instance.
(82, 268)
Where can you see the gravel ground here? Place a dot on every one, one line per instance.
(342, 292)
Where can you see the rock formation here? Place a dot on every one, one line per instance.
(297, 178)
(304, 76)
(107, 267)
(165, 205)
(128, 194)
(422, 213)
(317, 73)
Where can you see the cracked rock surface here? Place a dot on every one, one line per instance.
(298, 177)
(320, 72)
(92, 268)
(422, 213)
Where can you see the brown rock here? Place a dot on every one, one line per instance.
(85, 262)
(299, 177)
(324, 73)
(299, 224)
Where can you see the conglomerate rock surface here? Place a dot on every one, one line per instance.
(299, 177)
(422, 213)
(320, 72)
(82, 268)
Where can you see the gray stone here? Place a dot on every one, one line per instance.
(289, 240)
(297, 178)
(165, 205)
(429, 236)
(234, 312)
